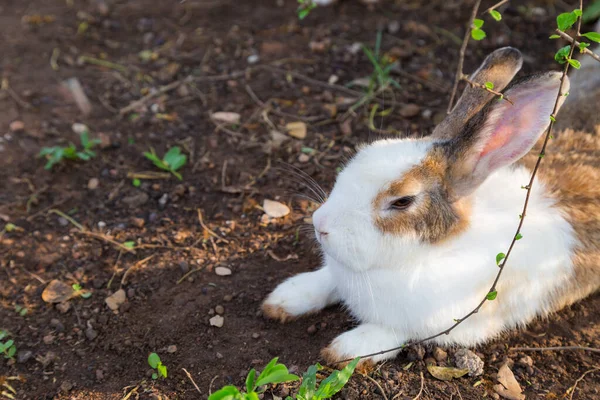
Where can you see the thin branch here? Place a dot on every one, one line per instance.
(556, 348)
(192, 379)
(495, 6)
(571, 390)
(461, 57)
(376, 384)
(164, 89)
(577, 44)
(482, 86)
(518, 231)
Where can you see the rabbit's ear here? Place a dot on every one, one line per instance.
(503, 132)
(498, 68)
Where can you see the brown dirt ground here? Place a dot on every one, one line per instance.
(90, 352)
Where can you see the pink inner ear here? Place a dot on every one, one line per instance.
(517, 129)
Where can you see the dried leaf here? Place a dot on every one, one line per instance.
(275, 209)
(296, 129)
(508, 388)
(116, 299)
(446, 373)
(57, 292)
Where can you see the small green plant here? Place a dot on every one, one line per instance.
(304, 8)
(8, 348)
(171, 161)
(79, 291)
(278, 373)
(156, 364)
(476, 32)
(56, 154)
(22, 311)
(565, 21)
(382, 64)
(136, 182)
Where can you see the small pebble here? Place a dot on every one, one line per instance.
(222, 271)
(439, 354)
(312, 329)
(466, 359)
(217, 321)
(219, 310)
(66, 386)
(255, 335)
(57, 325)
(172, 349)
(93, 184)
(99, 375)
(48, 339)
(253, 59)
(91, 334)
(23, 356)
(227, 298)
(184, 267)
(16, 126)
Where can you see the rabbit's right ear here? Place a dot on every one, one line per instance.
(498, 68)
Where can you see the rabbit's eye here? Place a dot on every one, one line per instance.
(402, 203)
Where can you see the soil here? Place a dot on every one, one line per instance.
(81, 349)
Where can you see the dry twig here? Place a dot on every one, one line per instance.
(192, 379)
(461, 57)
(556, 348)
(571, 390)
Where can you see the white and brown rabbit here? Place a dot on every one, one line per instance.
(412, 227)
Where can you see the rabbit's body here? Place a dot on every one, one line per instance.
(411, 230)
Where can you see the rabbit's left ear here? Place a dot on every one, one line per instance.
(503, 132)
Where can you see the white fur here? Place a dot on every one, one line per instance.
(401, 289)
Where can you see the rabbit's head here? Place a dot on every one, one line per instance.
(398, 197)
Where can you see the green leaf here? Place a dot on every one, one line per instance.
(252, 396)
(583, 46)
(554, 37)
(153, 360)
(277, 374)
(171, 155)
(155, 376)
(489, 85)
(85, 139)
(477, 23)
(136, 182)
(86, 295)
(574, 63)
(309, 383)
(518, 236)
(226, 393)
(10, 227)
(577, 12)
(566, 20)
(8, 344)
(562, 54)
(496, 15)
(594, 36)
(162, 370)
(500, 257)
(23, 312)
(478, 34)
(552, 118)
(336, 381)
(154, 158)
(3, 334)
(11, 351)
(76, 287)
(130, 245)
(250, 379)
(492, 295)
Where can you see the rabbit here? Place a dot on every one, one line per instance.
(412, 227)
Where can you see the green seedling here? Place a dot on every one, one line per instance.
(273, 373)
(156, 364)
(10, 228)
(171, 161)
(304, 8)
(8, 348)
(56, 154)
(129, 245)
(136, 182)
(278, 373)
(22, 311)
(79, 291)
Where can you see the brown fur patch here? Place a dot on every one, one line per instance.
(277, 313)
(571, 172)
(433, 217)
(332, 358)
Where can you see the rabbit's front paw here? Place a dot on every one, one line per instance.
(361, 341)
(302, 294)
